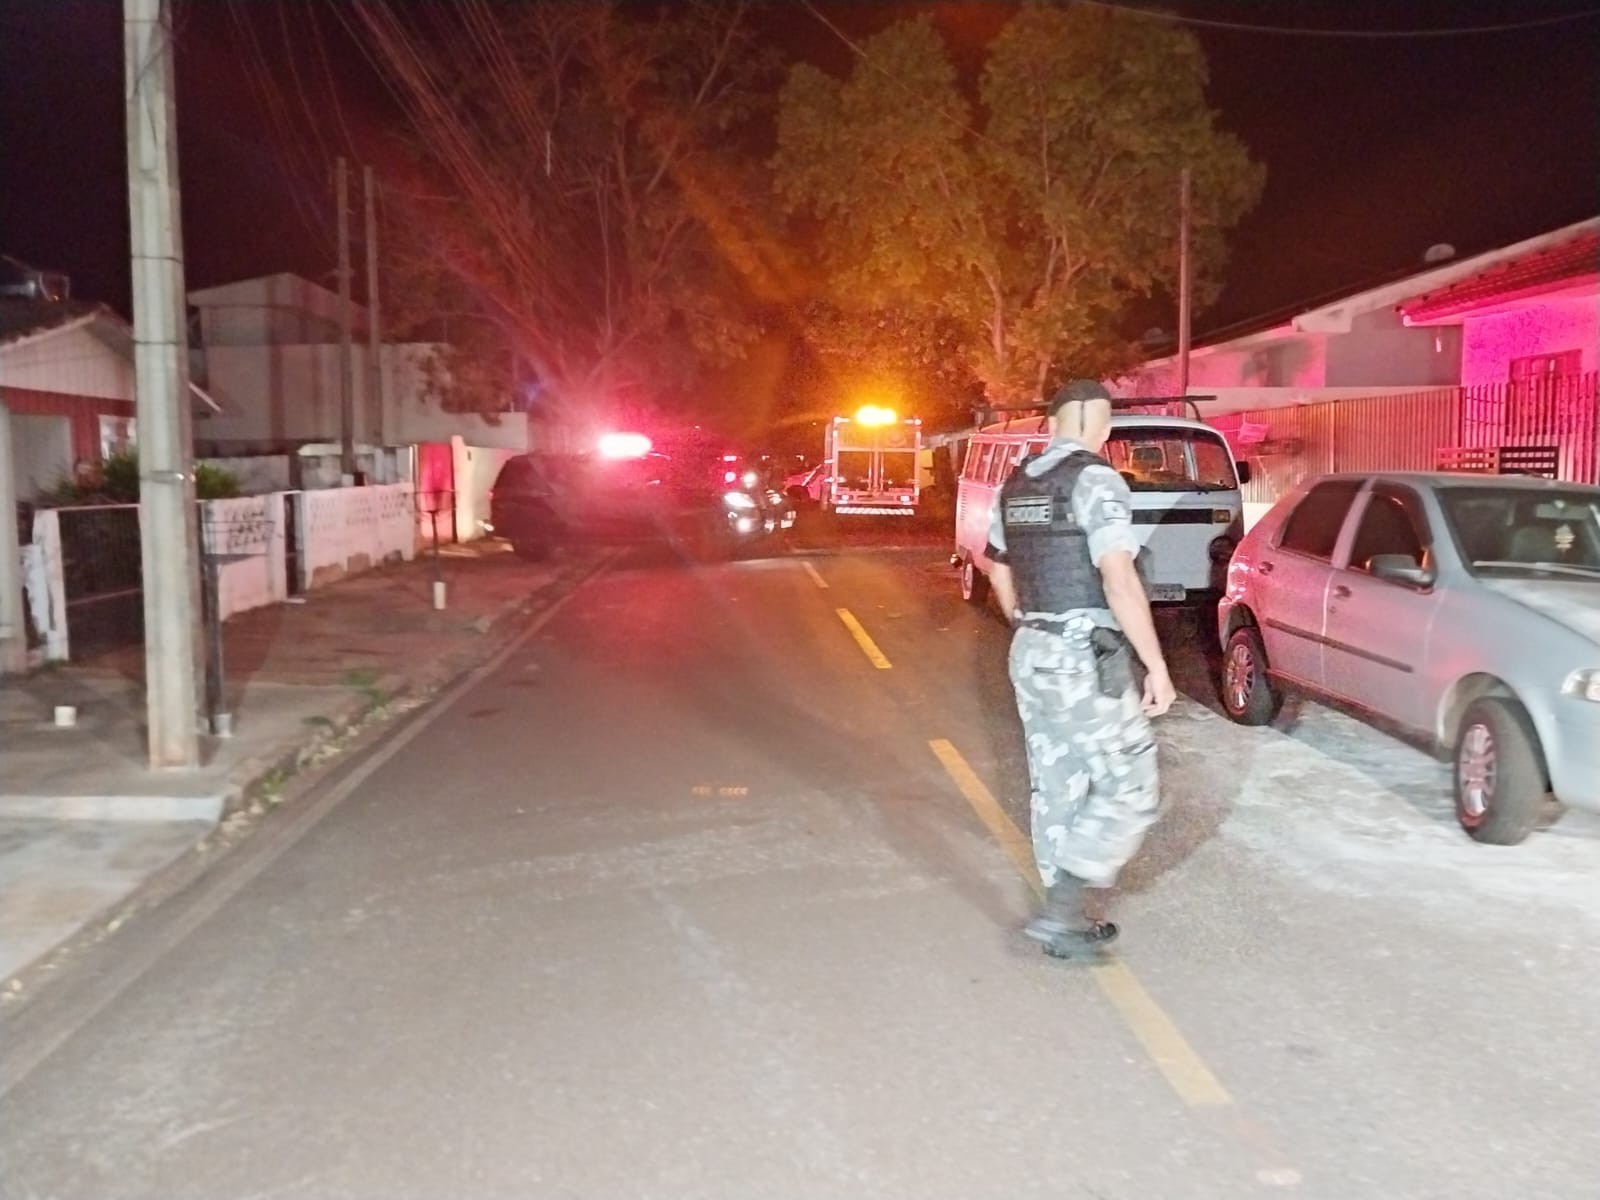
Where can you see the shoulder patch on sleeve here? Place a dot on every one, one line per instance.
(1115, 510)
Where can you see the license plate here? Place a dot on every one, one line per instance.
(1164, 593)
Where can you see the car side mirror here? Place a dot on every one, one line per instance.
(1401, 568)
(1245, 473)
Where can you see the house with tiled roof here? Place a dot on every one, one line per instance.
(66, 378)
(1474, 361)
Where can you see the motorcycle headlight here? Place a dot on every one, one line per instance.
(1585, 685)
(737, 500)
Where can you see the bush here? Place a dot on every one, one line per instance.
(116, 481)
(119, 476)
(214, 483)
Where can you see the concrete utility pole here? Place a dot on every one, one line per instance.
(167, 535)
(1184, 283)
(347, 403)
(13, 623)
(376, 396)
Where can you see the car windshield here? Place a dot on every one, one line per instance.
(1171, 460)
(1516, 531)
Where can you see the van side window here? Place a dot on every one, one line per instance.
(1005, 458)
(986, 465)
(997, 463)
(969, 466)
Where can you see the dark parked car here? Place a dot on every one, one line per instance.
(628, 491)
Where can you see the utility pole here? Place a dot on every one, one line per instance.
(167, 535)
(375, 386)
(347, 405)
(1184, 282)
(13, 621)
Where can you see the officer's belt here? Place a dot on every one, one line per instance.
(1048, 624)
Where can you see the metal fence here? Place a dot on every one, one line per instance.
(1386, 432)
(1417, 431)
(1562, 411)
(102, 577)
(254, 550)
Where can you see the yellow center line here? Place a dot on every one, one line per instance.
(1145, 1019)
(815, 577)
(863, 639)
(1019, 848)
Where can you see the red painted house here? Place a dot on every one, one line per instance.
(66, 376)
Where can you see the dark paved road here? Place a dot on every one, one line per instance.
(688, 897)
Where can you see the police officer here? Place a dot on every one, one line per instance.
(1062, 543)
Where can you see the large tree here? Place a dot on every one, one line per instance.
(577, 221)
(1026, 218)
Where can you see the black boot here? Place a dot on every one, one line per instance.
(1063, 929)
(1062, 911)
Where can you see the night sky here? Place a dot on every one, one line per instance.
(1376, 148)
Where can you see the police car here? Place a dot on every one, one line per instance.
(1187, 510)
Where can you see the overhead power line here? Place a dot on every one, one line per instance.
(332, 84)
(302, 165)
(1368, 34)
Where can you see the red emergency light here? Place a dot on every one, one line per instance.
(624, 445)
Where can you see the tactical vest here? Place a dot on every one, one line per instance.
(1047, 550)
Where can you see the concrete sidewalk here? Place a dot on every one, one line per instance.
(83, 821)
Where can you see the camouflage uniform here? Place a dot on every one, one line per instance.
(1091, 757)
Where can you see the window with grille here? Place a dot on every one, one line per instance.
(1535, 402)
(1540, 367)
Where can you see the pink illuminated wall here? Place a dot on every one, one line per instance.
(1282, 360)
(1490, 343)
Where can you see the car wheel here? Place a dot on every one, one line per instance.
(974, 583)
(1500, 788)
(1247, 693)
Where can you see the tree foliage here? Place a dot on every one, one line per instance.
(915, 358)
(1026, 218)
(579, 221)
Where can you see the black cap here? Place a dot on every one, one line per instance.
(1080, 390)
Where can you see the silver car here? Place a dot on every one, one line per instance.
(1460, 609)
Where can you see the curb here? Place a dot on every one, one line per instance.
(130, 808)
(249, 778)
(227, 814)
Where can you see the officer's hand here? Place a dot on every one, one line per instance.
(1158, 693)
